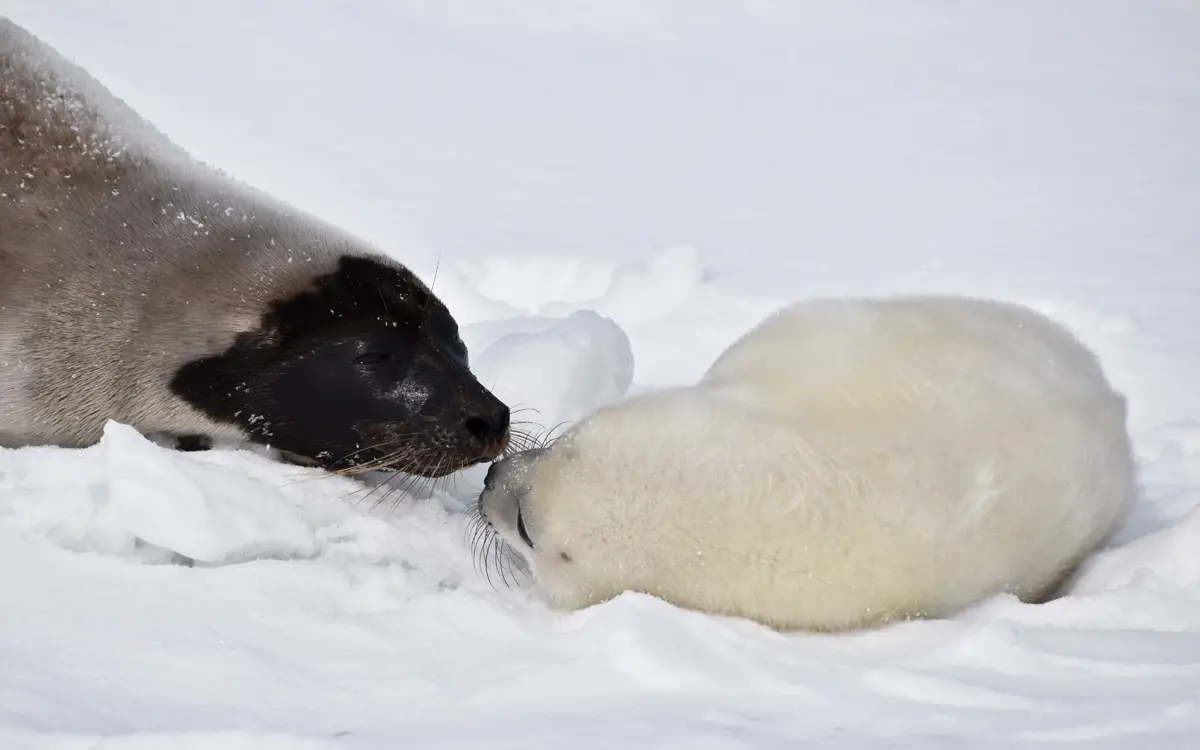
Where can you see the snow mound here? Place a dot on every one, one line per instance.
(1158, 551)
(565, 370)
(1161, 560)
(670, 296)
(140, 497)
(550, 371)
(127, 497)
(1173, 451)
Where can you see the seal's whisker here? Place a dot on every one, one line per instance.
(503, 562)
(496, 556)
(360, 451)
(522, 440)
(312, 474)
(366, 468)
(478, 527)
(516, 409)
(480, 537)
(512, 557)
(401, 487)
(472, 530)
(487, 568)
(383, 299)
(437, 266)
(390, 484)
(483, 539)
(419, 488)
(410, 486)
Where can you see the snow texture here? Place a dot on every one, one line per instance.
(606, 195)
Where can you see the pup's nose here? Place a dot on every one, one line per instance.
(488, 427)
(490, 478)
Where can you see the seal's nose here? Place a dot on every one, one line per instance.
(488, 428)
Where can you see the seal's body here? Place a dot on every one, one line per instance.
(141, 286)
(845, 463)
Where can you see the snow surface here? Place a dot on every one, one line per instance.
(607, 194)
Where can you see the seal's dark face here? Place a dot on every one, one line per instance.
(364, 369)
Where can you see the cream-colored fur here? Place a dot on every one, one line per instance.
(845, 463)
(121, 258)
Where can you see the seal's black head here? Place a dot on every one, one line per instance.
(364, 369)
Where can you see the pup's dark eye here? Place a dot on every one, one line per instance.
(524, 532)
(372, 358)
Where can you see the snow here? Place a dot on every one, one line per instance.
(607, 194)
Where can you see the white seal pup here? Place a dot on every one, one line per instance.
(844, 464)
(141, 286)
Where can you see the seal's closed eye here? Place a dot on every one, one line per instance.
(522, 530)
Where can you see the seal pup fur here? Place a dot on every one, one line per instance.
(139, 285)
(844, 464)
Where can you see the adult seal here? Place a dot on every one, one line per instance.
(140, 286)
(846, 463)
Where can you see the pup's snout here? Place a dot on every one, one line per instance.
(489, 479)
(502, 509)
